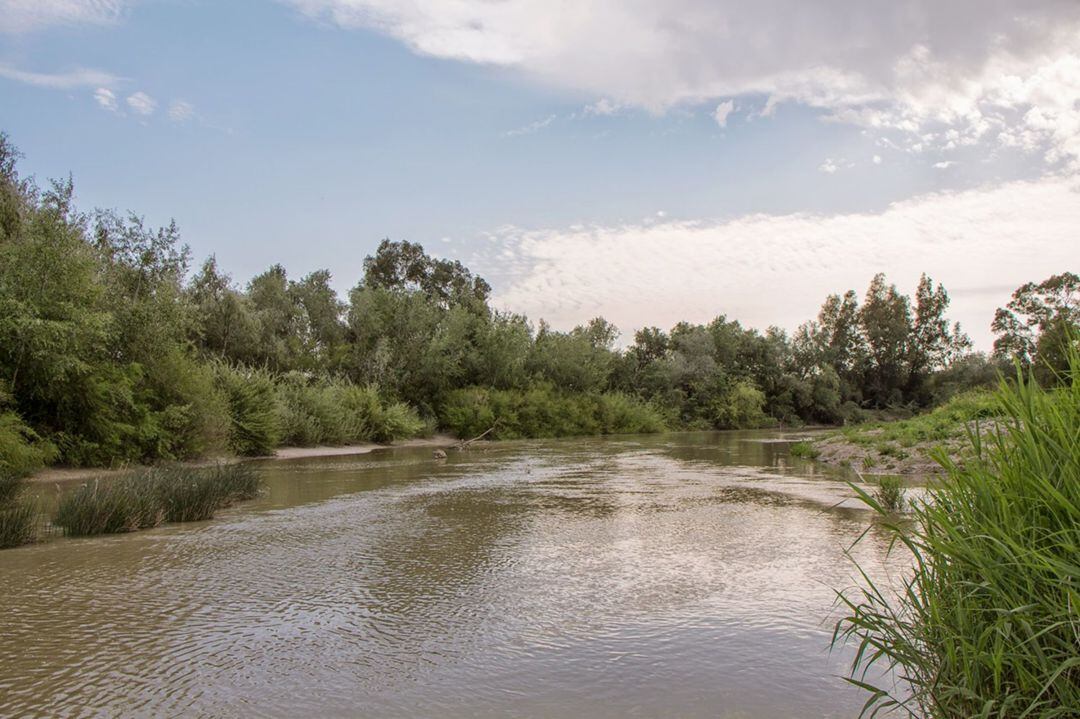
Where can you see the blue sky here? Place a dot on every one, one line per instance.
(644, 161)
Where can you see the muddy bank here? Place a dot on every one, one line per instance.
(883, 457)
(77, 474)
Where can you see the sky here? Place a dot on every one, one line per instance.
(648, 161)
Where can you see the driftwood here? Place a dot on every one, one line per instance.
(465, 443)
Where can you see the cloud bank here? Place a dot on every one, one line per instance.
(940, 74)
(764, 269)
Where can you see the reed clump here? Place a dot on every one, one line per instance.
(806, 450)
(891, 493)
(151, 496)
(19, 516)
(987, 623)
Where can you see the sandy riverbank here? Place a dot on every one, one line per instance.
(74, 474)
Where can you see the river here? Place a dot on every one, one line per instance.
(676, 575)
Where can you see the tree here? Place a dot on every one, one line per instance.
(1051, 305)
(934, 343)
(406, 267)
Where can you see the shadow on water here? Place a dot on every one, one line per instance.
(672, 575)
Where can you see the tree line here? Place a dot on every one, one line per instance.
(113, 348)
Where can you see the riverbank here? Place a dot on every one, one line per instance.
(61, 475)
(908, 447)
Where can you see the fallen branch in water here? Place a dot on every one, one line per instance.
(465, 444)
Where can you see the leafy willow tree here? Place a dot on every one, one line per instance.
(1037, 324)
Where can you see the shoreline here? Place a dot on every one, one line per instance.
(59, 475)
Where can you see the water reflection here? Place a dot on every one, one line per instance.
(681, 575)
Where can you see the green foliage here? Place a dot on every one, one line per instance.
(890, 493)
(152, 496)
(109, 355)
(255, 425)
(542, 411)
(340, 412)
(19, 521)
(1048, 307)
(21, 450)
(743, 407)
(19, 516)
(986, 623)
(109, 507)
(950, 421)
(806, 450)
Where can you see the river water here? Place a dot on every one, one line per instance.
(678, 575)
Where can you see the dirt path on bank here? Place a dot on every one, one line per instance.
(76, 474)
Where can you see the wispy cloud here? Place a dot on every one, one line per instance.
(722, 111)
(602, 107)
(141, 104)
(20, 16)
(531, 128)
(79, 77)
(181, 111)
(106, 98)
(660, 272)
(831, 166)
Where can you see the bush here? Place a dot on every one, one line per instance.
(338, 412)
(541, 411)
(743, 407)
(21, 450)
(253, 410)
(986, 623)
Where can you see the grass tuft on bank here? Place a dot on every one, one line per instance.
(986, 624)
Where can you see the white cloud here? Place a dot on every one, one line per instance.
(877, 159)
(141, 104)
(831, 166)
(768, 269)
(27, 15)
(531, 128)
(79, 77)
(603, 106)
(181, 111)
(720, 114)
(106, 98)
(944, 164)
(996, 71)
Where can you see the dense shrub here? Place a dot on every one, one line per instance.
(338, 412)
(254, 414)
(21, 450)
(542, 411)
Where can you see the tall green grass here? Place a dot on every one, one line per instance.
(19, 516)
(152, 496)
(890, 493)
(988, 622)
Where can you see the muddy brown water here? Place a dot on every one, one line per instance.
(679, 575)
